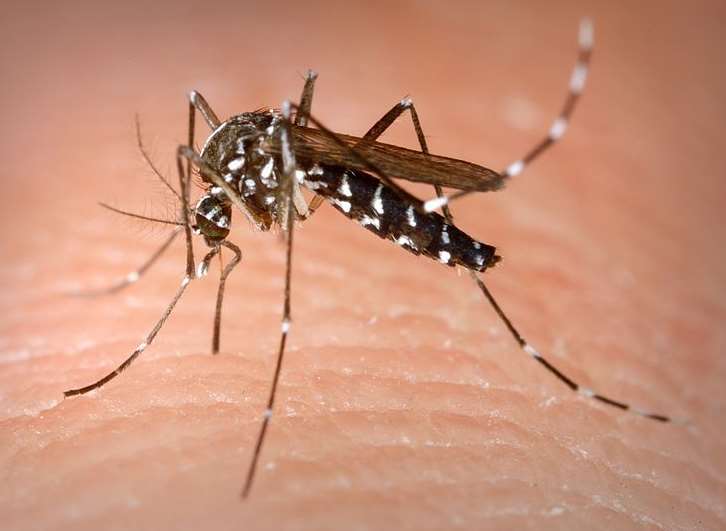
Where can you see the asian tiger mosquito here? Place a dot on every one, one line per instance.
(258, 161)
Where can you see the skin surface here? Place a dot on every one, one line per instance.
(403, 401)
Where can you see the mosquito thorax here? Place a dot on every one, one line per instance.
(238, 150)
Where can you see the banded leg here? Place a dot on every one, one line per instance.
(385, 122)
(142, 346)
(574, 386)
(306, 99)
(373, 134)
(184, 214)
(288, 162)
(559, 126)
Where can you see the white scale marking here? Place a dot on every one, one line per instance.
(223, 222)
(344, 188)
(529, 349)
(186, 281)
(269, 199)
(228, 178)
(435, 203)
(411, 216)
(584, 391)
(202, 269)
(444, 257)
(367, 220)
(405, 241)
(213, 213)
(142, 346)
(344, 205)
(579, 76)
(515, 168)
(132, 277)
(559, 126)
(587, 34)
(236, 164)
(377, 202)
(250, 184)
(445, 235)
(300, 176)
(266, 170)
(267, 414)
(285, 326)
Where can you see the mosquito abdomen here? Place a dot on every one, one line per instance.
(363, 198)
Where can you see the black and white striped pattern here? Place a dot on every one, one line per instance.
(363, 198)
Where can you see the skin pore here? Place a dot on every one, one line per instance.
(403, 401)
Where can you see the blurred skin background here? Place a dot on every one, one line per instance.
(403, 402)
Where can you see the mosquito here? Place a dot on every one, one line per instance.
(260, 161)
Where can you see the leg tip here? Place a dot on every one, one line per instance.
(587, 33)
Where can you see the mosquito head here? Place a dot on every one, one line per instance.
(240, 151)
(212, 217)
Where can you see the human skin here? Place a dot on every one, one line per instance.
(403, 401)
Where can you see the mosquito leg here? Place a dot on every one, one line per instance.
(559, 126)
(197, 101)
(530, 350)
(288, 162)
(416, 202)
(184, 177)
(306, 99)
(220, 292)
(147, 341)
(315, 203)
(134, 276)
(304, 210)
(385, 122)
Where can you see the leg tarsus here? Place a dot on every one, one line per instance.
(220, 292)
(559, 125)
(569, 382)
(137, 352)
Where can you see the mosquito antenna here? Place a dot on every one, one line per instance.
(140, 216)
(148, 160)
(133, 276)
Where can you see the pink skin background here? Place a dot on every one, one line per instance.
(403, 404)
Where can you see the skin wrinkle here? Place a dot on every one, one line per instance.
(430, 417)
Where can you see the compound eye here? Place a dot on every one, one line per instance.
(213, 218)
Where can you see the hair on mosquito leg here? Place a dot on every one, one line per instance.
(259, 161)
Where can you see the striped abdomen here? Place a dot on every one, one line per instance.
(378, 208)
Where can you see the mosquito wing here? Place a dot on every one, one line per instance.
(314, 146)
